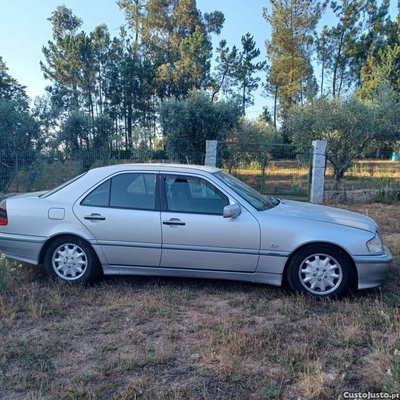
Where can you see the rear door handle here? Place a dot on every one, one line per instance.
(95, 217)
(175, 222)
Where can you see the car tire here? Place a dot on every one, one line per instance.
(321, 270)
(72, 259)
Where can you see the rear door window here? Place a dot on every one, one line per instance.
(133, 191)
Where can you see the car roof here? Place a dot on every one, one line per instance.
(157, 167)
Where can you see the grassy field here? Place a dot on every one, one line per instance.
(152, 338)
(290, 177)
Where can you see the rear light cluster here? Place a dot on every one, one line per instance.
(3, 213)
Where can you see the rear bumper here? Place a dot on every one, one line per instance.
(22, 247)
(372, 270)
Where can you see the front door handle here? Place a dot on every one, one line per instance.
(95, 217)
(175, 222)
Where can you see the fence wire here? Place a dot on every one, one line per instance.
(272, 169)
(22, 172)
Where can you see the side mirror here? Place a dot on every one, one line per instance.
(232, 211)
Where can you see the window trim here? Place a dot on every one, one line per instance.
(163, 193)
(156, 208)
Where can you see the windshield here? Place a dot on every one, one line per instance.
(256, 199)
(47, 194)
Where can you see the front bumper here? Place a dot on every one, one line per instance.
(22, 247)
(372, 270)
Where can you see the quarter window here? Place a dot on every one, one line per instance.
(193, 195)
(99, 197)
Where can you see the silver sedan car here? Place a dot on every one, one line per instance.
(190, 221)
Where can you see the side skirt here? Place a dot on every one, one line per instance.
(254, 277)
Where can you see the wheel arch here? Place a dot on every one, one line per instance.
(309, 244)
(51, 239)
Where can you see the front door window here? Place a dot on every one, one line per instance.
(188, 194)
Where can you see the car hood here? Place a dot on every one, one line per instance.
(326, 214)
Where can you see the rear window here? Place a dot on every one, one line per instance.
(58, 188)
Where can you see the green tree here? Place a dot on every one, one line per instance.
(18, 130)
(170, 30)
(46, 114)
(245, 70)
(224, 74)
(324, 53)
(10, 89)
(192, 71)
(351, 126)
(341, 42)
(75, 131)
(62, 55)
(187, 123)
(384, 67)
(245, 143)
(292, 25)
(377, 27)
(103, 130)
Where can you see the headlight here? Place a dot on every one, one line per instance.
(375, 245)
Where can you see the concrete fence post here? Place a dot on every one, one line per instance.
(318, 171)
(211, 153)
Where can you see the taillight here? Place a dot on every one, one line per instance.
(3, 213)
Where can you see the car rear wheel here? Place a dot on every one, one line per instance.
(321, 270)
(72, 259)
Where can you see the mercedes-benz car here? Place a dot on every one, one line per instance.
(190, 221)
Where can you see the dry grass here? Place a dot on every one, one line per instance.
(290, 177)
(150, 338)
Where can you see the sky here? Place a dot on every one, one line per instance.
(24, 30)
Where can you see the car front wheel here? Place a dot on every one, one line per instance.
(321, 270)
(72, 259)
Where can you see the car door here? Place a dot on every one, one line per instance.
(123, 214)
(194, 233)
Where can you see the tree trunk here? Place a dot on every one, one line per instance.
(244, 97)
(336, 65)
(322, 78)
(275, 104)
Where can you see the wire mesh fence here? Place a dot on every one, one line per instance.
(379, 172)
(272, 169)
(22, 172)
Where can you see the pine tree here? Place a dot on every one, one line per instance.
(292, 26)
(224, 74)
(341, 41)
(245, 70)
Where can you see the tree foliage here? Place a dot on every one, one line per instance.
(350, 126)
(188, 123)
(292, 25)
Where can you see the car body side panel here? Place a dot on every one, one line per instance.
(272, 263)
(29, 227)
(22, 247)
(127, 237)
(257, 277)
(211, 242)
(280, 232)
